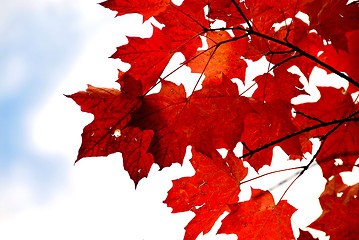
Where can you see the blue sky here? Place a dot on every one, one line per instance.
(53, 47)
(37, 42)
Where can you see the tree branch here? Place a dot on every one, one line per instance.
(309, 117)
(242, 14)
(324, 124)
(251, 31)
(304, 53)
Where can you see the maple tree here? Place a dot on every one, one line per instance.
(155, 128)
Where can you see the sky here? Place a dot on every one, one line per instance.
(49, 48)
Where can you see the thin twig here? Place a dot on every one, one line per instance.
(284, 61)
(283, 170)
(309, 117)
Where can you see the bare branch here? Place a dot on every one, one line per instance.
(324, 124)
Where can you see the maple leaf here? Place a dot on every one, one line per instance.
(271, 121)
(208, 192)
(218, 105)
(148, 58)
(112, 111)
(340, 206)
(283, 85)
(259, 218)
(184, 25)
(108, 133)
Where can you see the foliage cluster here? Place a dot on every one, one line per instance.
(150, 128)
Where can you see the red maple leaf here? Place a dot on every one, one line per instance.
(148, 58)
(208, 192)
(184, 25)
(218, 105)
(283, 85)
(259, 218)
(271, 121)
(340, 206)
(112, 111)
(108, 133)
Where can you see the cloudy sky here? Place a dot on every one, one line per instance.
(49, 48)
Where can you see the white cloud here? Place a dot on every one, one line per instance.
(17, 192)
(101, 203)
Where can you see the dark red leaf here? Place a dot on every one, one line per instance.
(112, 111)
(108, 133)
